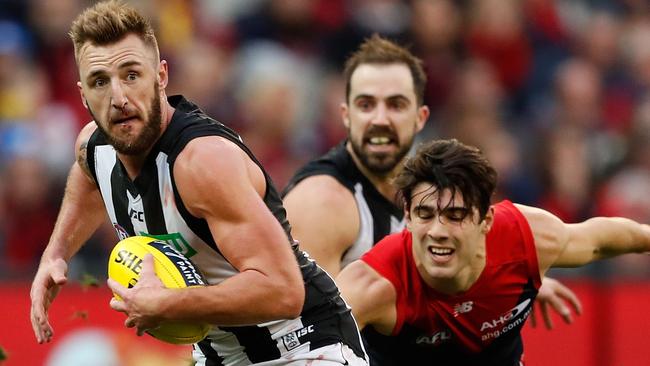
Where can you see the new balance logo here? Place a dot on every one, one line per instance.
(463, 307)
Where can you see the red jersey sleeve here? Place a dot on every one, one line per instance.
(527, 237)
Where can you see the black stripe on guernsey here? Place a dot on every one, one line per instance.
(120, 200)
(257, 342)
(149, 190)
(185, 267)
(212, 358)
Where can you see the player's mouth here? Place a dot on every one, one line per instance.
(124, 120)
(380, 143)
(441, 255)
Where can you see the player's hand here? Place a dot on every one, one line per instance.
(51, 275)
(140, 303)
(558, 296)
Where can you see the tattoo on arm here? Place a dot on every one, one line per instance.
(82, 159)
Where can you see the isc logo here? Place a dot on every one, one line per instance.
(129, 260)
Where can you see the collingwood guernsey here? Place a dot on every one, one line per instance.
(150, 205)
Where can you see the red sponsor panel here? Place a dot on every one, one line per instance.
(86, 332)
(570, 345)
(614, 330)
(630, 319)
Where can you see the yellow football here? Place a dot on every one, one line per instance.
(173, 269)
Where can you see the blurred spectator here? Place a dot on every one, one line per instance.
(495, 33)
(275, 93)
(30, 214)
(436, 31)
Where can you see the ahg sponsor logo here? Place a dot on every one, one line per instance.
(506, 322)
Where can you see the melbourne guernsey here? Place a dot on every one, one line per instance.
(478, 327)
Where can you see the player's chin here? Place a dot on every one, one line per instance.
(446, 271)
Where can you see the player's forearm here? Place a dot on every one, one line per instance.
(249, 297)
(620, 236)
(80, 214)
(616, 236)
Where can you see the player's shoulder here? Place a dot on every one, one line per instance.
(322, 187)
(85, 133)
(325, 195)
(210, 149)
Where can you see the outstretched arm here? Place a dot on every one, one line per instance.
(324, 218)
(573, 245)
(82, 211)
(560, 298)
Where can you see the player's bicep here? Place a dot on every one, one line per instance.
(371, 297)
(558, 244)
(213, 179)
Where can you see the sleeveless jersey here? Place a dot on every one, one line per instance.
(150, 205)
(478, 327)
(378, 216)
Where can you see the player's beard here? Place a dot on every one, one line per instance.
(150, 132)
(380, 164)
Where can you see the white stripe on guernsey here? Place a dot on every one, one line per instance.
(166, 193)
(105, 159)
(366, 238)
(397, 224)
(227, 347)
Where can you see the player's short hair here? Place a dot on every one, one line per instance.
(449, 164)
(378, 50)
(109, 22)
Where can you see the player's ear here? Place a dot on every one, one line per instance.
(345, 115)
(81, 94)
(487, 222)
(423, 116)
(407, 218)
(163, 74)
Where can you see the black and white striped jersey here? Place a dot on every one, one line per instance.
(150, 205)
(378, 216)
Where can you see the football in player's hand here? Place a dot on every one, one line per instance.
(173, 269)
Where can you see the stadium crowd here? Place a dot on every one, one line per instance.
(555, 92)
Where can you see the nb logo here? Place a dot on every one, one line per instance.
(464, 307)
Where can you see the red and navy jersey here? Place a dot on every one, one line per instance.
(478, 327)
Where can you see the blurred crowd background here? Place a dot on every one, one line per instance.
(556, 92)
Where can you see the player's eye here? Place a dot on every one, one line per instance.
(456, 214)
(99, 82)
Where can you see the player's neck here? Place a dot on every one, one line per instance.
(463, 280)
